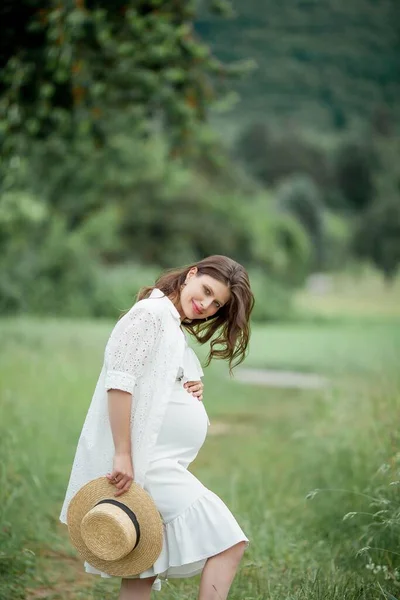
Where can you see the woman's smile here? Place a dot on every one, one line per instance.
(196, 308)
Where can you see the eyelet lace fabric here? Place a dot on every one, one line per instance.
(142, 357)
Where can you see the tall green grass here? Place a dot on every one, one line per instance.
(291, 464)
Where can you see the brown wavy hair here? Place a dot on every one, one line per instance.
(230, 325)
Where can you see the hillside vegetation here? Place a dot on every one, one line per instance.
(324, 62)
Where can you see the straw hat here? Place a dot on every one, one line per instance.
(120, 536)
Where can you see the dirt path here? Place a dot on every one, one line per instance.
(281, 379)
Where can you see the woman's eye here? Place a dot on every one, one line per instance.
(207, 291)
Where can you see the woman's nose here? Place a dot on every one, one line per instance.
(206, 305)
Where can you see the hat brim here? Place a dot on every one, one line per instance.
(151, 527)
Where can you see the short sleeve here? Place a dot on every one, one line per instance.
(128, 349)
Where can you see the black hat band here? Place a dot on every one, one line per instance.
(126, 510)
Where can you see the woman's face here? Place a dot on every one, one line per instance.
(202, 296)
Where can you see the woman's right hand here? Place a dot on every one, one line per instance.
(122, 474)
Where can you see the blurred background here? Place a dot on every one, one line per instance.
(142, 135)
(137, 136)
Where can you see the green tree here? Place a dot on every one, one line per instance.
(72, 67)
(271, 157)
(377, 237)
(354, 170)
(300, 196)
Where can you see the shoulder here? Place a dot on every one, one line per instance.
(155, 309)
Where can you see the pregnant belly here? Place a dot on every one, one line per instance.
(183, 431)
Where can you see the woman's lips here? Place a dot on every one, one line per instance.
(196, 308)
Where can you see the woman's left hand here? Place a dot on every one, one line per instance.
(195, 388)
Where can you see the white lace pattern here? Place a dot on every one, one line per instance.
(142, 357)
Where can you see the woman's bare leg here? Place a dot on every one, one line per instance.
(219, 571)
(136, 589)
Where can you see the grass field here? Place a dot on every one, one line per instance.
(268, 449)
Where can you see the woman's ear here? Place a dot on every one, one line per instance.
(192, 272)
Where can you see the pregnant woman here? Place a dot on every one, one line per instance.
(147, 422)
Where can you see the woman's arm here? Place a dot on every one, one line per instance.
(119, 410)
(127, 352)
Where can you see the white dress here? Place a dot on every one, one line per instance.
(197, 523)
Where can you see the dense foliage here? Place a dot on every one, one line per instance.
(345, 194)
(67, 223)
(70, 68)
(324, 64)
(94, 94)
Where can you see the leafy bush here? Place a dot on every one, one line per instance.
(276, 242)
(337, 241)
(377, 229)
(295, 251)
(22, 217)
(49, 269)
(377, 236)
(299, 196)
(44, 267)
(354, 165)
(117, 287)
(273, 299)
(271, 157)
